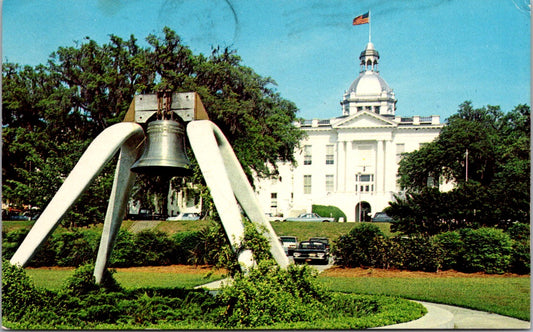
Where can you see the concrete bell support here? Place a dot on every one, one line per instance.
(127, 136)
(227, 181)
(219, 166)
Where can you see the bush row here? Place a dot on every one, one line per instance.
(487, 250)
(265, 298)
(78, 247)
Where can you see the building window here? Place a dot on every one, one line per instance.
(364, 183)
(307, 184)
(330, 155)
(307, 155)
(376, 109)
(274, 200)
(330, 182)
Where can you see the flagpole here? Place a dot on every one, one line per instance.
(369, 26)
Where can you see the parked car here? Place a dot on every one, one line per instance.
(185, 216)
(382, 217)
(289, 243)
(324, 240)
(144, 214)
(310, 217)
(18, 217)
(310, 252)
(273, 217)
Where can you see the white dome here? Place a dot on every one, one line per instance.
(369, 83)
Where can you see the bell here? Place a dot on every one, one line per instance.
(164, 151)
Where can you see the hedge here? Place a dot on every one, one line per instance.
(78, 247)
(485, 249)
(328, 211)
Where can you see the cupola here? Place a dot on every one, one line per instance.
(369, 91)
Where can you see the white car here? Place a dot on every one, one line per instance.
(185, 216)
(289, 244)
(310, 217)
(273, 217)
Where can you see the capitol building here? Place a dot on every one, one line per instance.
(350, 161)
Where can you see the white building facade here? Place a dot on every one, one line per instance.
(350, 161)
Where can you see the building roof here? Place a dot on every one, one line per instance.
(369, 83)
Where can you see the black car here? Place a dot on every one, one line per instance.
(324, 240)
(382, 217)
(310, 252)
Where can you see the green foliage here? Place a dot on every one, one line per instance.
(184, 244)
(416, 253)
(74, 248)
(19, 294)
(329, 211)
(153, 248)
(497, 192)
(521, 249)
(212, 247)
(360, 247)
(485, 249)
(268, 295)
(451, 247)
(51, 112)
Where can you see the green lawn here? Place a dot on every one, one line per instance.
(304, 230)
(55, 278)
(503, 295)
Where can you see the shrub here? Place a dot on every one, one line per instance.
(415, 253)
(124, 250)
(19, 294)
(73, 248)
(184, 243)
(520, 254)
(450, 245)
(269, 295)
(360, 247)
(212, 245)
(83, 282)
(152, 248)
(485, 250)
(328, 211)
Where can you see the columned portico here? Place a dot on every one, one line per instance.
(366, 139)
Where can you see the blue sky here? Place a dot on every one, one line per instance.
(435, 54)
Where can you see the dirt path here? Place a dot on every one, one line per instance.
(141, 225)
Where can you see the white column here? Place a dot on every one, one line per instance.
(390, 167)
(341, 166)
(380, 168)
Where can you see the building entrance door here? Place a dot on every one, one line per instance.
(363, 211)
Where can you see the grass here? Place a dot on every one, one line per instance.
(509, 296)
(305, 230)
(55, 278)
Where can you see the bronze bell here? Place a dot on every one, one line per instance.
(164, 151)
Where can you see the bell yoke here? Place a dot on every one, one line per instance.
(166, 118)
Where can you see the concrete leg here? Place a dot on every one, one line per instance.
(207, 153)
(118, 200)
(101, 150)
(227, 181)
